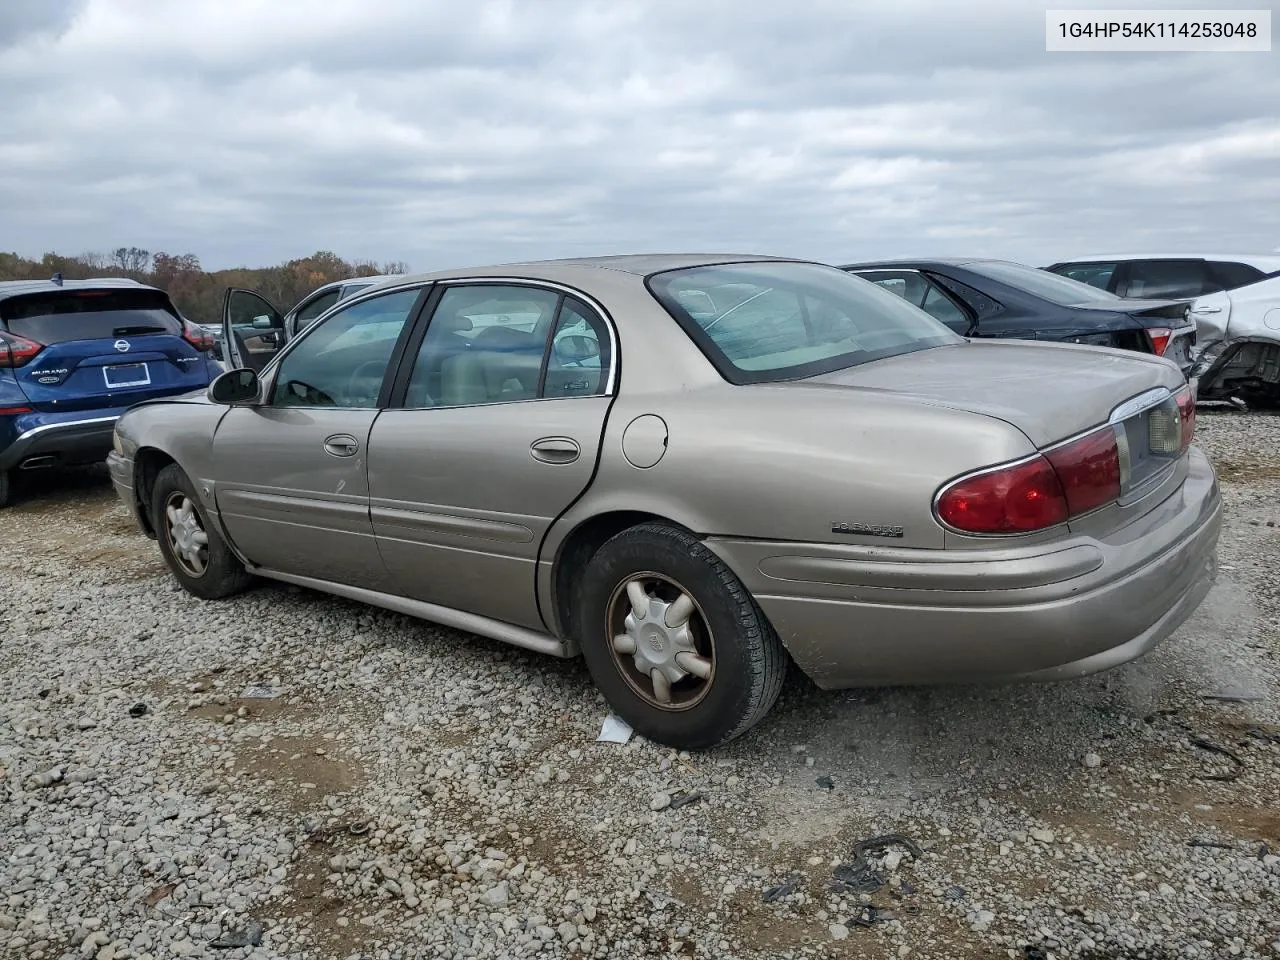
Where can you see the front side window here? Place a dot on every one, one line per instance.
(342, 362)
(760, 322)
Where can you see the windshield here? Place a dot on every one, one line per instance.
(89, 315)
(759, 322)
(1063, 291)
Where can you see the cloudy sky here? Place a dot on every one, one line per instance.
(466, 131)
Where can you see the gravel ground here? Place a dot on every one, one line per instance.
(334, 781)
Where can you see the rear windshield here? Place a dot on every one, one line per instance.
(88, 315)
(1063, 291)
(760, 322)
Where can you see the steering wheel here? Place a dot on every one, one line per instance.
(368, 369)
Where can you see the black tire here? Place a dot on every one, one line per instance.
(222, 575)
(4, 489)
(749, 663)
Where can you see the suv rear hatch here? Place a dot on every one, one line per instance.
(89, 348)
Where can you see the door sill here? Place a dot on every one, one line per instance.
(447, 616)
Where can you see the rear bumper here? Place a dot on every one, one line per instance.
(861, 616)
(66, 440)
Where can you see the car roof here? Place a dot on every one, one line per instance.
(1268, 262)
(579, 268)
(16, 288)
(903, 262)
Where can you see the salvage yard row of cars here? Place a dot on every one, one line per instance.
(689, 470)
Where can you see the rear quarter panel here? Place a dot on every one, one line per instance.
(786, 462)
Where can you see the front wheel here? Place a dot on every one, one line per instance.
(199, 558)
(673, 640)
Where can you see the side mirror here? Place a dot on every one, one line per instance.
(235, 386)
(576, 348)
(262, 323)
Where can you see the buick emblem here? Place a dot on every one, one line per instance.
(122, 346)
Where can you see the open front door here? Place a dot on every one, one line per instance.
(252, 330)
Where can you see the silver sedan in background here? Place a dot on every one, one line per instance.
(693, 470)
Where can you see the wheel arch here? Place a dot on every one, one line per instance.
(147, 464)
(577, 548)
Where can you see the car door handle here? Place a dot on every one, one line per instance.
(555, 450)
(1206, 309)
(341, 445)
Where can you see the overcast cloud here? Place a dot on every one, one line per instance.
(452, 133)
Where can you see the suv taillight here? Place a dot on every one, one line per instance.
(196, 336)
(16, 351)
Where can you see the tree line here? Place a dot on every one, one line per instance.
(196, 292)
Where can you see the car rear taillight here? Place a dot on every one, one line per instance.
(16, 351)
(1088, 469)
(1018, 498)
(196, 336)
(1159, 337)
(1186, 416)
(1048, 489)
(13, 411)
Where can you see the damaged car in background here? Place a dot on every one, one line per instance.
(1000, 298)
(693, 471)
(1239, 333)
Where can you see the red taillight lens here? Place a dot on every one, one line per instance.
(16, 351)
(13, 411)
(196, 336)
(1017, 499)
(1159, 337)
(1047, 490)
(1089, 470)
(1186, 415)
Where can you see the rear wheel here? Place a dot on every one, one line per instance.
(4, 488)
(197, 555)
(674, 641)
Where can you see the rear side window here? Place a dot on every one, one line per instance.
(1227, 275)
(89, 315)
(1156, 279)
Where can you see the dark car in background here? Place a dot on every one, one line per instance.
(75, 354)
(1176, 276)
(263, 333)
(1000, 298)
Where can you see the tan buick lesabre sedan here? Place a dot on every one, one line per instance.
(692, 470)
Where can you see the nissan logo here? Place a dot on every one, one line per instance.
(122, 346)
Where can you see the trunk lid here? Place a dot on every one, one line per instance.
(1049, 391)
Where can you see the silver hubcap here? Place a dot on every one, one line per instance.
(187, 539)
(661, 641)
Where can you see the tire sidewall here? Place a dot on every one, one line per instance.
(223, 573)
(729, 612)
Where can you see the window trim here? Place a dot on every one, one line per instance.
(267, 378)
(409, 357)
